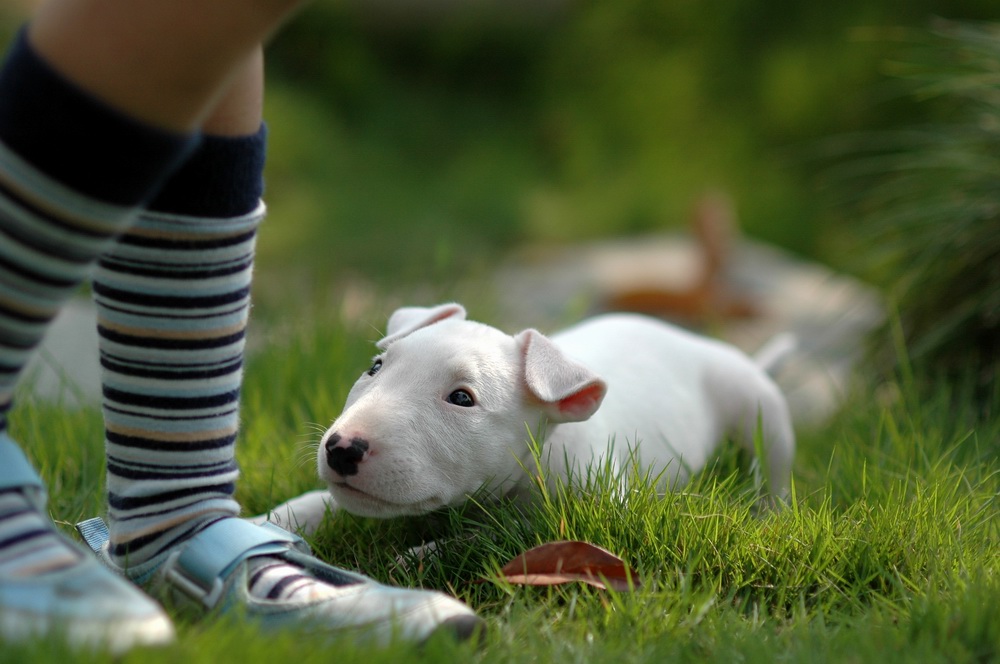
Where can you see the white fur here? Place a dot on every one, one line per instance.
(662, 393)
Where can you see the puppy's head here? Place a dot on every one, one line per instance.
(445, 410)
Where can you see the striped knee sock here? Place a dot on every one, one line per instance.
(73, 173)
(173, 299)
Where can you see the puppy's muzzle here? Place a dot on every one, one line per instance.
(343, 456)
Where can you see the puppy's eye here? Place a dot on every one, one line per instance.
(461, 398)
(375, 368)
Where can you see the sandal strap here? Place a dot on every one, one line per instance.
(95, 533)
(16, 472)
(202, 567)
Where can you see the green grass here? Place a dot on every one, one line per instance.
(888, 549)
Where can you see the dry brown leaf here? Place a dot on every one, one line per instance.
(556, 563)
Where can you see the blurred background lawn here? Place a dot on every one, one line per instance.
(416, 140)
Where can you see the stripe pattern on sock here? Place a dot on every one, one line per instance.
(173, 299)
(49, 237)
(73, 173)
(277, 581)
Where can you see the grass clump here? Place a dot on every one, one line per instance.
(928, 200)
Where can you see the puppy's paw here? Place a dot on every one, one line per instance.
(303, 514)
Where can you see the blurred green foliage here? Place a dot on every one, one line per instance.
(407, 145)
(417, 141)
(929, 198)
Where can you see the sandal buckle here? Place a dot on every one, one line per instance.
(176, 575)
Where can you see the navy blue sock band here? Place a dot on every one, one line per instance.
(221, 179)
(78, 140)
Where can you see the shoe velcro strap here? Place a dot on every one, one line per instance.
(94, 532)
(15, 470)
(210, 557)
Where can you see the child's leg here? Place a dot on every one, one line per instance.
(62, 202)
(173, 298)
(52, 228)
(87, 134)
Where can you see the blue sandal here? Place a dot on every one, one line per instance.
(86, 603)
(208, 574)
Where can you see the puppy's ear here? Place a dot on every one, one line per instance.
(407, 320)
(568, 391)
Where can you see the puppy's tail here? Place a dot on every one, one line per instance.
(772, 355)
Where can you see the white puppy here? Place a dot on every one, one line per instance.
(446, 409)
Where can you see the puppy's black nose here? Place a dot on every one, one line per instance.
(344, 456)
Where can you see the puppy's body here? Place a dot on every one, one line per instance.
(672, 398)
(446, 410)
